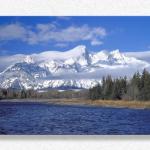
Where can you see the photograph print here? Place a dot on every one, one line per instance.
(80, 75)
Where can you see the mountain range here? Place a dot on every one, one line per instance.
(75, 68)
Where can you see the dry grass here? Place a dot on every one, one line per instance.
(122, 103)
(104, 103)
(88, 102)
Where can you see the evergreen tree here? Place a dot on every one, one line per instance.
(95, 92)
(145, 85)
(108, 87)
(117, 92)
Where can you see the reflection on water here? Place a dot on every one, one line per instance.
(37, 118)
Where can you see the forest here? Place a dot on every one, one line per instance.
(135, 88)
(45, 94)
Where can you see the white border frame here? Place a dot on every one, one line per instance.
(74, 142)
(74, 8)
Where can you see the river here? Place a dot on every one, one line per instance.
(26, 118)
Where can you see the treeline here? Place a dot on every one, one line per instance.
(49, 94)
(137, 88)
(15, 94)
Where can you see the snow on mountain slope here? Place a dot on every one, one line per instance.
(115, 59)
(59, 67)
(63, 83)
(6, 61)
(77, 52)
(23, 74)
(71, 61)
(76, 68)
(99, 56)
(80, 60)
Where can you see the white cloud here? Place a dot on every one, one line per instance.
(143, 55)
(12, 32)
(96, 42)
(69, 34)
(45, 27)
(50, 32)
(61, 45)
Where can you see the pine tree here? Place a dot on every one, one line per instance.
(108, 87)
(117, 92)
(145, 85)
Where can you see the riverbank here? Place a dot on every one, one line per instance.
(83, 102)
(104, 103)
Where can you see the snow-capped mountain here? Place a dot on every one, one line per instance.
(22, 75)
(73, 61)
(76, 68)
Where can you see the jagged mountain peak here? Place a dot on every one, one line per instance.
(80, 49)
(117, 54)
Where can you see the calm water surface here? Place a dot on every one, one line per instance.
(38, 118)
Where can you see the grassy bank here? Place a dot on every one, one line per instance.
(87, 102)
(104, 103)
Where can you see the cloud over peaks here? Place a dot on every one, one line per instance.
(12, 32)
(42, 33)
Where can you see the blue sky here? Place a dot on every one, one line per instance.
(37, 34)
